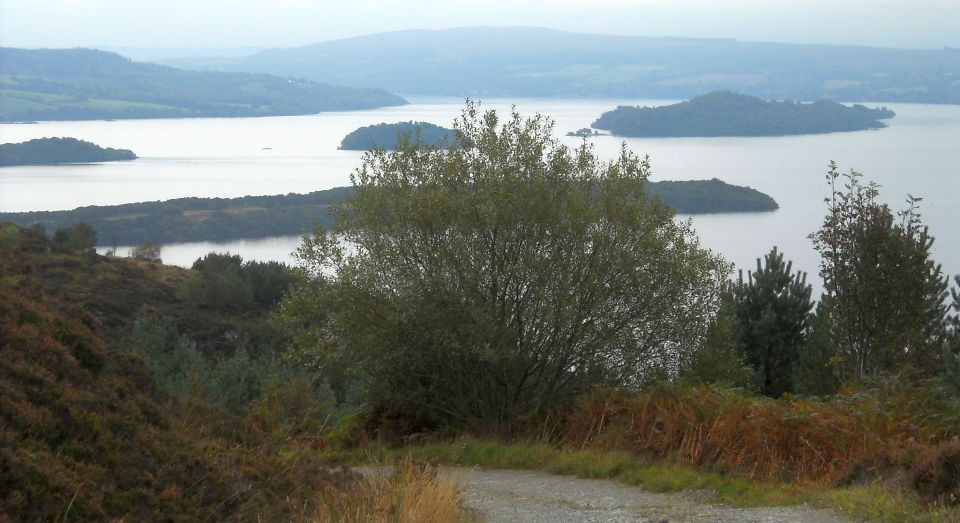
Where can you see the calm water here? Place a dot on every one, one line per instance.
(918, 154)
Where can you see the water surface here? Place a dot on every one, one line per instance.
(918, 154)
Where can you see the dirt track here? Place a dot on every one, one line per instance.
(525, 496)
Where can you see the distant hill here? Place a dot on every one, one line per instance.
(54, 151)
(221, 219)
(85, 84)
(387, 136)
(523, 61)
(729, 114)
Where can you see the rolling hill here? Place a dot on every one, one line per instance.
(523, 61)
(86, 84)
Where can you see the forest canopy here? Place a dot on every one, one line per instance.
(54, 151)
(724, 113)
(213, 219)
(388, 136)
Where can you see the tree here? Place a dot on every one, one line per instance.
(951, 345)
(501, 278)
(79, 237)
(216, 282)
(719, 360)
(773, 312)
(884, 298)
(148, 251)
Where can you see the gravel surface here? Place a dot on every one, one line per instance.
(525, 496)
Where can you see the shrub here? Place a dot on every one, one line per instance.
(790, 438)
(146, 251)
(502, 279)
(936, 476)
(79, 237)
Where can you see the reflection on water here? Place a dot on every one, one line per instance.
(918, 154)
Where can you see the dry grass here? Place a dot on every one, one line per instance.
(413, 492)
(855, 434)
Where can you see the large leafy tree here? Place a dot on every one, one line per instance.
(884, 297)
(500, 278)
(773, 311)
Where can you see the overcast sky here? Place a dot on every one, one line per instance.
(284, 23)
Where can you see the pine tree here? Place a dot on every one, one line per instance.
(773, 310)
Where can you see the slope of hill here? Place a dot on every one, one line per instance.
(212, 219)
(729, 114)
(89, 434)
(82, 84)
(519, 61)
(55, 151)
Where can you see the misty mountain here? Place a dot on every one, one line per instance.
(520, 61)
(81, 84)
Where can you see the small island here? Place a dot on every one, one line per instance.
(387, 136)
(584, 132)
(58, 151)
(724, 113)
(222, 219)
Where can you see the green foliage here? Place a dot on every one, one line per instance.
(773, 315)
(53, 151)
(710, 196)
(727, 114)
(269, 280)
(216, 283)
(814, 372)
(86, 84)
(79, 237)
(217, 219)
(146, 251)
(222, 281)
(502, 279)
(720, 361)
(951, 345)
(388, 136)
(172, 358)
(884, 298)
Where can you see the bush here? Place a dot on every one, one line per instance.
(146, 251)
(79, 237)
(502, 279)
(937, 475)
(215, 282)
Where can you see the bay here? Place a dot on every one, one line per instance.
(919, 154)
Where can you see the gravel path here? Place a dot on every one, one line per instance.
(534, 497)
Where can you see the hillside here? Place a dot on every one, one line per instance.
(85, 84)
(90, 431)
(387, 136)
(54, 151)
(728, 114)
(523, 61)
(220, 219)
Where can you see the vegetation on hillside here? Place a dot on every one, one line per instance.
(123, 400)
(388, 136)
(53, 151)
(516, 290)
(537, 62)
(724, 113)
(86, 84)
(501, 280)
(218, 219)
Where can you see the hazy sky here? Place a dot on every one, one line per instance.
(284, 23)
